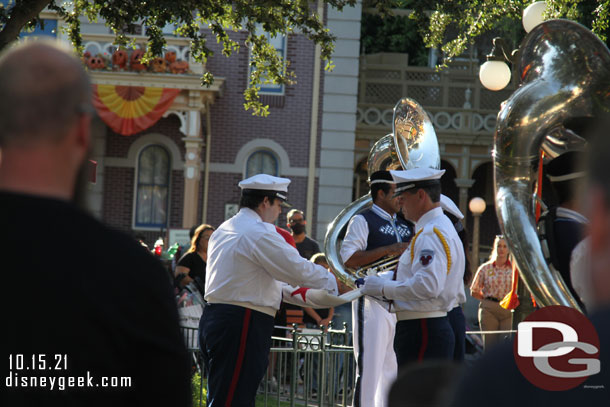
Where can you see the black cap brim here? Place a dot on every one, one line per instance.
(270, 193)
(282, 197)
(399, 191)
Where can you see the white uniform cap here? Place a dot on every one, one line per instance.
(264, 184)
(448, 205)
(416, 177)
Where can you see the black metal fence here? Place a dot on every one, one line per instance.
(309, 367)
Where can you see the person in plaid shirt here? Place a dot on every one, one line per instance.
(491, 283)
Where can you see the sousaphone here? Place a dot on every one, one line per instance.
(412, 144)
(565, 74)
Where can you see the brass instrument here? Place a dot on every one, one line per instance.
(565, 74)
(412, 144)
(379, 266)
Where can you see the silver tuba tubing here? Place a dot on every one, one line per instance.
(565, 74)
(382, 155)
(412, 144)
(332, 243)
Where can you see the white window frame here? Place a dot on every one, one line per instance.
(135, 225)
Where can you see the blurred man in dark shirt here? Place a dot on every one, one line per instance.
(87, 314)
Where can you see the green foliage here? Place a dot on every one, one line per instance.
(393, 34)
(454, 25)
(194, 19)
(196, 388)
(271, 401)
(451, 26)
(259, 402)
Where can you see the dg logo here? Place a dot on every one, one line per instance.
(557, 348)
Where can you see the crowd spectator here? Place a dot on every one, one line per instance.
(491, 283)
(191, 266)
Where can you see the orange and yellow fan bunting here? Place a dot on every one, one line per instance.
(129, 110)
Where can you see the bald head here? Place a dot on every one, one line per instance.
(43, 89)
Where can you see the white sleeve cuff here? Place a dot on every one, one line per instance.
(390, 288)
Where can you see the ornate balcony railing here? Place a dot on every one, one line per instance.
(102, 44)
(454, 98)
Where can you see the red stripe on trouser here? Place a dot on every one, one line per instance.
(240, 357)
(424, 340)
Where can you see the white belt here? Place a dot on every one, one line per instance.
(260, 308)
(404, 315)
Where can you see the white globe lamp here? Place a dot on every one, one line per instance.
(477, 206)
(532, 15)
(494, 75)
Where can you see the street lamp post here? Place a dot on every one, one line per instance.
(477, 207)
(495, 74)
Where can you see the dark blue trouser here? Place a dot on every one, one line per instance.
(423, 339)
(458, 325)
(236, 343)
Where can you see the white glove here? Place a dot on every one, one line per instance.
(373, 285)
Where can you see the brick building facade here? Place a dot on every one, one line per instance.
(235, 136)
(205, 139)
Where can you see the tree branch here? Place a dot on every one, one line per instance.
(21, 13)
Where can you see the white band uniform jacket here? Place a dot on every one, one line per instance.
(429, 280)
(248, 259)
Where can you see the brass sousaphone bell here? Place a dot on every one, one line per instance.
(412, 144)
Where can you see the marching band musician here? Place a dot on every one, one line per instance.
(457, 320)
(370, 236)
(429, 272)
(566, 174)
(247, 263)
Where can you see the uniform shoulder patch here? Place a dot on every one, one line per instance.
(426, 257)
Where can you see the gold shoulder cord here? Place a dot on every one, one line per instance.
(413, 243)
(443, 241)
(445, 246)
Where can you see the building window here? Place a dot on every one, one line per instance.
(279, 43)
(262, 162)
(152, 187)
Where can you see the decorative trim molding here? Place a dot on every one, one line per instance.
(454, 162)
(139, 144)
(475, 163)
(181, 115)
(239, 165)
(155, 80)
(238, 169)
(442, 120)
(464, 182)
(262, 144)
